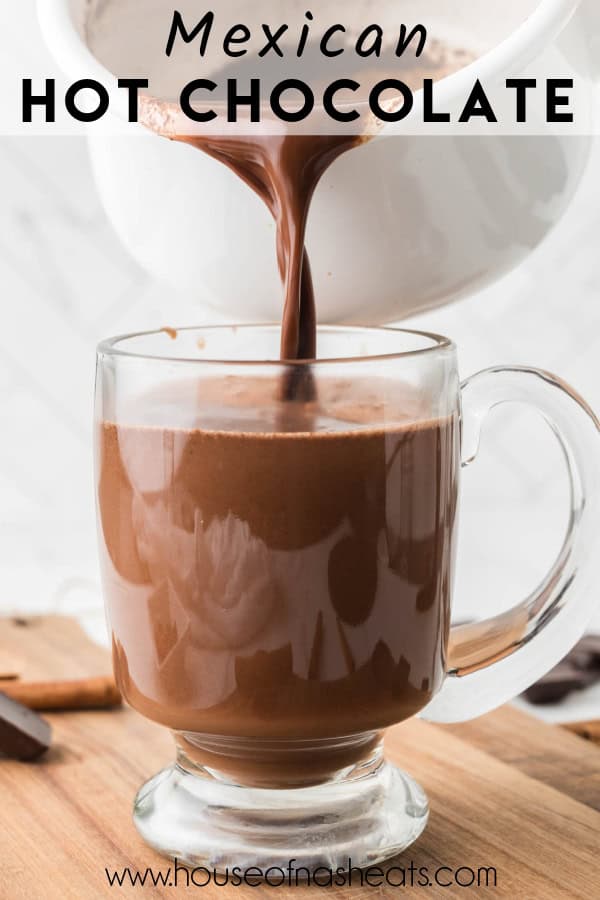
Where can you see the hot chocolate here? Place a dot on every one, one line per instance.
(279, 572)
(285, 585)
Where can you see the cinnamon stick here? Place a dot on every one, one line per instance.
(87, 693)
(588, 730)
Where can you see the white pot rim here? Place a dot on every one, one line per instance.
(524, 44)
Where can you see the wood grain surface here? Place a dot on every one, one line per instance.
(505, 791)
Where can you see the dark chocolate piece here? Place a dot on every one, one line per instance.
(557, 685)
(586, 655)
(580, 669)
(23, 734)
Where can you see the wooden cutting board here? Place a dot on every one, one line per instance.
(506, 791)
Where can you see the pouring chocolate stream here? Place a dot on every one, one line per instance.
(284, 171)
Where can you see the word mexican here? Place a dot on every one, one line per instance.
(276, 40)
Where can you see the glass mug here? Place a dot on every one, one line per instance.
(278, 577)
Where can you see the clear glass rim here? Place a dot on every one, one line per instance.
(437, 344)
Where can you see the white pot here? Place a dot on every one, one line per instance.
(398, 225)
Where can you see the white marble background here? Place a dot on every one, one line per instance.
(66, 282)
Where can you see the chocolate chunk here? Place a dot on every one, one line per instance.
(586, 655)
(23, 734)
(580, 669)
(591, 642)
(556, 686)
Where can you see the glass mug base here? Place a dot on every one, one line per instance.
(362, 816)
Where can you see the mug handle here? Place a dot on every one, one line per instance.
(491, 662)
